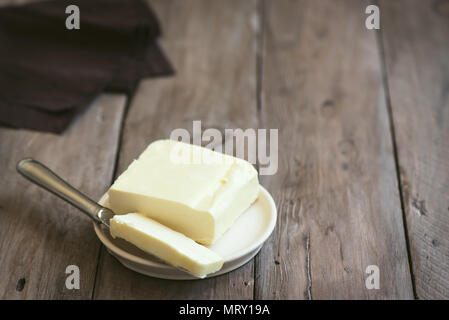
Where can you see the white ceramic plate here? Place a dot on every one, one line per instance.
(237, 246)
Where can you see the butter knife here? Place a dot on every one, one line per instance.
(42, 176)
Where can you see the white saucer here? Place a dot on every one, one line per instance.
(237, 246)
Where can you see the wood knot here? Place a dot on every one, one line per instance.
(435, 243)
(329, 229)
(420, 206)
(347, 148)
(20, 284)
(328, 108)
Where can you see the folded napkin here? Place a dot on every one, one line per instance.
(49, 74)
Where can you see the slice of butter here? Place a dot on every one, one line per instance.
(190, 189)
(168, 245)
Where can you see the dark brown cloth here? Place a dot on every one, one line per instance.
(49, 74)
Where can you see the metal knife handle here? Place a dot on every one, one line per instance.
(41, 175)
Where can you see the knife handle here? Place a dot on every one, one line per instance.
(39, 174)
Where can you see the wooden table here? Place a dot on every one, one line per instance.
(363, 178)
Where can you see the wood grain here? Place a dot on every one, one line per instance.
(415, 38)
(41, 235)
(336, 187)
(212, 46)
(310, 69)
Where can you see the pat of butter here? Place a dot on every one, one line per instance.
(190, 189)
(168, 245)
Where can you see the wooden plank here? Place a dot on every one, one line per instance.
(211, 44)
(41, 235)
(415, 38)
(336, 187)
(4, 3)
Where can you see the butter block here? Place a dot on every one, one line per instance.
(190, 189)
(168, 245)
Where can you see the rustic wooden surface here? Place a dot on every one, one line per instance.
(336, 188)
(201, 43)
(39, 234)
(363, 173)
(417, 64)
